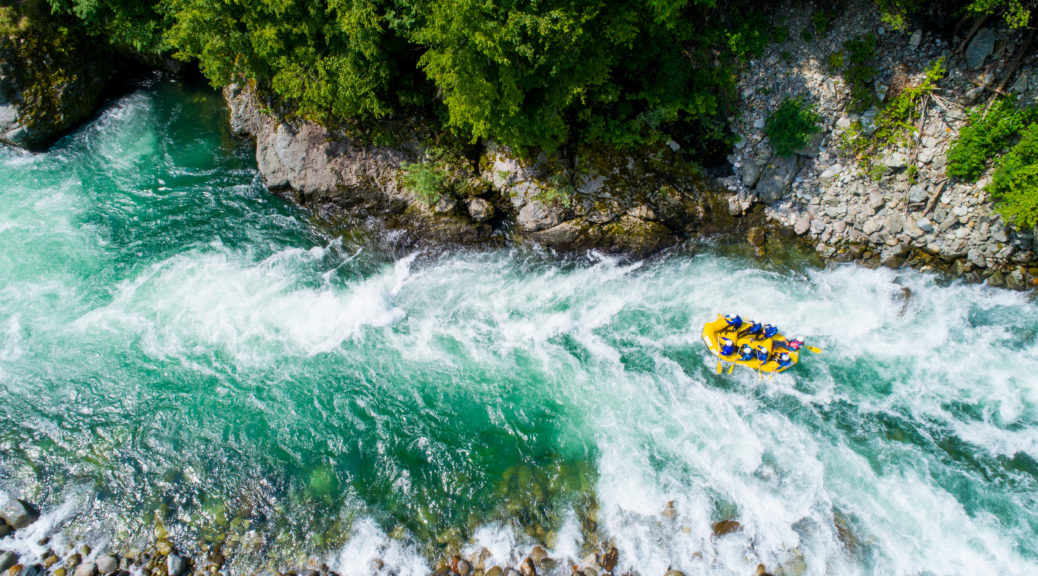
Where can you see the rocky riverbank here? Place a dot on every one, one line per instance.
(161, 557)
(905, 210)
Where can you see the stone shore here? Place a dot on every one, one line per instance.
(890, 217)
(161, 557)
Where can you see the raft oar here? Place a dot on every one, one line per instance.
(813, 349)
(719, 368)
(730, 368)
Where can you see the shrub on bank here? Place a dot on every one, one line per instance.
(791, 126)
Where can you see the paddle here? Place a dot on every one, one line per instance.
(813, 349)
(732, 367)
(719, 368)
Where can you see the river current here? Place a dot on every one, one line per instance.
(179, 347)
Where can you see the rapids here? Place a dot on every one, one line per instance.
(180, 348)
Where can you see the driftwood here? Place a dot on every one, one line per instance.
(933, 199)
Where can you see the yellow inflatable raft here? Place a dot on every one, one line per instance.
(779, 356)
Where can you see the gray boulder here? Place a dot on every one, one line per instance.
(776, 177)
(86, 569)
(980, 48)
(19, 513)
(480, 210)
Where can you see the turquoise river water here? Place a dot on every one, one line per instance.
(180, 347)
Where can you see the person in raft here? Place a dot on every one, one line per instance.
(783, 359)
(793, 344)
(746, 353)
(727, 346)
(754, 329)
(734, 323)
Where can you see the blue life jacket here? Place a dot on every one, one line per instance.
(727, 347)
(762, 354)
(747, 352)
(734, 322)
(755, 328)
(770, 330)
(784, 359)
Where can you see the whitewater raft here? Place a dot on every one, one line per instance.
(715, 330)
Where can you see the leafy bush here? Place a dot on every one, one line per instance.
(860, 71)
(895, 123)
(1014, 184)
(791, 126)
(425, 179)
(985, 136)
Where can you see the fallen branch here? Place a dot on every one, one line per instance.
(933, 199)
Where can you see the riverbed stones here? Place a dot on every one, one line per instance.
(5, 528)
(526, 568)
(19, 513)
(725, 527)
(776, 177)
(176, 565)
(494, 571)
(755, 236)
(464, 567)
(86, 569)
(164, 546)
(107, 564)
(7, 559)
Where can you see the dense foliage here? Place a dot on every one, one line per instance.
(791, 126)
(989, 132)
(531, 74)
(1014, 184)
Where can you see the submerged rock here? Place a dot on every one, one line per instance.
(86, 569)
(7, 559)
(107, 564)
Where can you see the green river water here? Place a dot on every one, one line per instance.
(180, 347)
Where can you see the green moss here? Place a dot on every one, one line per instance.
(426, 179)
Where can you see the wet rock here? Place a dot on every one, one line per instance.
(86, 569)
(7, 559)
(164, 547)
(512, 572)
(673, 573)
(590, 560)
(725, 527)
(107, 564)
(176, 565)
(980, 48)
(494, 571)
(755, 236)
(480, 210)
(5, 528)
(538, 554)
(1015, 280)
(589, 571)
(609, 559)
(464, 567)
(34, 570)
(527, 568)
(19, 513)
(60, 572)
(73, 560)
(50, 560)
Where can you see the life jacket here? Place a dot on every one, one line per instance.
(784, 359)
(762, 354)
(746, 352)
(734, 322)
(727, 347)
(795, 344)
(753, 330)
(770, 330)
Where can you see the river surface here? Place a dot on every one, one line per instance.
(180, 348)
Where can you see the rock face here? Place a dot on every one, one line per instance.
(52, 78)
(599, 201)
(896, 205)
